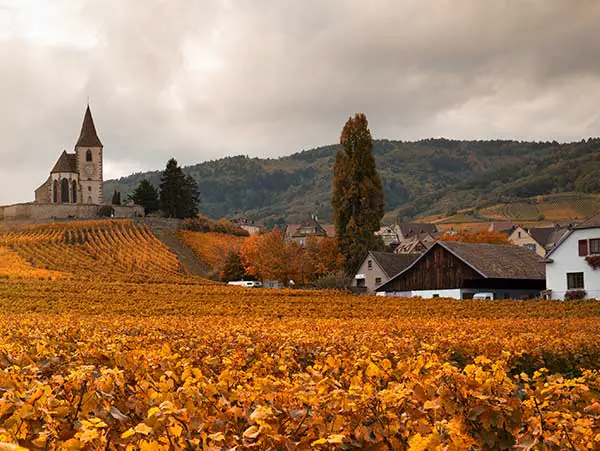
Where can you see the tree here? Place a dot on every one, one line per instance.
(233, 268)
(116, 199)
(145, 195)
(357, 198)
(179, 194)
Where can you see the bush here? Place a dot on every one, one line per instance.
(203, 224)
(106, 211)
(333, 281)
(575, 295)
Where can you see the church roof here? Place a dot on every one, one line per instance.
(88, 136)
(67, 162)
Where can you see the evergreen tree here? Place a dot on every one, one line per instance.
(357, 198)
(191, 197)
(116, 199)
(145, 195)
(233, 269)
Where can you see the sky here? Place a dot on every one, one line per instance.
(203, 79)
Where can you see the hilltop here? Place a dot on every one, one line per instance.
(429, 177)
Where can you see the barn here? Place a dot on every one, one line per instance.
(460, 270)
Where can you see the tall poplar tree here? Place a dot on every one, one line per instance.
(357, 198)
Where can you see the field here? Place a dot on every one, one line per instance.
(102, 363)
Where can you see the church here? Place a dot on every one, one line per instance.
(76, 178)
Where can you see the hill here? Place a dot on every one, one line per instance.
(432, 176)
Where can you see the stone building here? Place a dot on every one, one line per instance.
(76, 178)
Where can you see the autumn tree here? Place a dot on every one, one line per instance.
(145, 195)
(271, 257)
(476, 237)
(357, 198)
(233, 268)
(320, 257)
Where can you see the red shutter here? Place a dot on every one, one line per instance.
(583, 248)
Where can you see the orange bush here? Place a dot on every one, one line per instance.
(478, 237)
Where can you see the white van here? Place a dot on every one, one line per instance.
(246, 283)
(484, 296)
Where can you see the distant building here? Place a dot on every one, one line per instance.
(247, 225)
(312, 227)
(388, 235)
(501, 227)
(417, 244)
(406, 230)
(379, 267)
(572, 264)
(76, 178)
(460, 270)
(538, 239)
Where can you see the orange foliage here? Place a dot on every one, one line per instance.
(171, 366)
(13, 265)
(211, 247)
(478, 237)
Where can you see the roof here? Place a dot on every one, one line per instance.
(329, 229)
(88, 136)
(492, 261)
(411, 228)
(500, 226)
(499, 261)
(541, 235)
(67, 162)
(590, 223)
(391, 263)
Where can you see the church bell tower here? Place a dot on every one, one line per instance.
(89, 162)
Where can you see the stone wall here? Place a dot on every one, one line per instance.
(40, 211)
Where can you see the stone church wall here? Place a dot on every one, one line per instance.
(39, 211)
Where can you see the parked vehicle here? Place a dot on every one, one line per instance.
(246, 283)
(484, 296)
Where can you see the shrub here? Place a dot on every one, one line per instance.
(106, 211)
(593, 261)
(203, 224)
(573, 295)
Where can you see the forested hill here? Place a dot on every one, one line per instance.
(419, 178)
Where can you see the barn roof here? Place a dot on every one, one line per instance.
(590, 223)
(391, 263)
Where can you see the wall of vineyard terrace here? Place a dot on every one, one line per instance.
(39, 211)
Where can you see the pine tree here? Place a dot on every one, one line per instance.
(145, 195)
(116, 199)
(172, 190)
(191, 197)
(357, 198)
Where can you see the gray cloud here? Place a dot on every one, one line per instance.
(200, 80)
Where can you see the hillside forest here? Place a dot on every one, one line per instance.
(423, 178)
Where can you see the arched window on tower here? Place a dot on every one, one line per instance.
(88, 155)
(64, 191)
(74, 192)
(55, 191)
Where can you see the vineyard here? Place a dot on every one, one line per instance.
(113, 365)
(212, 248)
(113, 250)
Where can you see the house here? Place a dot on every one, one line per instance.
(388, 235)
(417, 244)
(460, 270)
(312, 227)
(379, 267)
(538, 239)
(573, 263)
(247, 225)
(406, 230)
(501, 227)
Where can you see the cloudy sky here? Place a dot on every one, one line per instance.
(202, 79)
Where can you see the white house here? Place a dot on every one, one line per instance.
(570, 264)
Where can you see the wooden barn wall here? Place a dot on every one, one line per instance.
(437, 270)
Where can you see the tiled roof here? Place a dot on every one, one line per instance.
(412, 228)
(67, 162)
(88, 136)
(329, 229)
(499, 261)
(391, 263)
(590, 223)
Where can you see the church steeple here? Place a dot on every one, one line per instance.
(88, 136)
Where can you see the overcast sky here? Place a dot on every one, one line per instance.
(203, 79)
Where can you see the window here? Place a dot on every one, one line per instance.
(74, 191)
(360, 283)
(370, 264)
(530, 246)
(575, 281)
(595, 246)
(519, 234)
(377, 280)
(89, 188)
(436, 295)
(88, 155)
(583, 248)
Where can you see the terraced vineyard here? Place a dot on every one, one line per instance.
(212, 248)
(115, 250)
